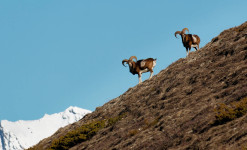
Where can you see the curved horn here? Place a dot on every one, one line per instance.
(133, 57)
(124, 61)
(184, 30)
(178, 32)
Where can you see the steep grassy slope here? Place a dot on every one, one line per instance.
(177, 108)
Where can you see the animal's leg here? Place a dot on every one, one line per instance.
(195, 48)
(140, 77)
(187, 52)
(189, 49)
(151, 74)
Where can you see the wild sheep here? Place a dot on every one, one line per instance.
(140, 66)
(189, 40)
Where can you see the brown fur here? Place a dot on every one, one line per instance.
(187, 40)
(148, 65)
(137, 67)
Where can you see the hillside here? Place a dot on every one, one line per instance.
(185, 106)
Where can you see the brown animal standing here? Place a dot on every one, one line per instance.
(140, 66)
(189, 40)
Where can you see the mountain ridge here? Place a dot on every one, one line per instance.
(177, 108)
(22, 134)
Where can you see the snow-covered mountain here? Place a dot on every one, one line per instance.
(24, 134)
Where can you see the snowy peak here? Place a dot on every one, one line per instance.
(23, 134)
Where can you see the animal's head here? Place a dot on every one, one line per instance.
(129, 61)
(181, 32)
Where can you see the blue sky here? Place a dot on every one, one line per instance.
(56, 53)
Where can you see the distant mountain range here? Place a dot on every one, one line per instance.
(23, 134)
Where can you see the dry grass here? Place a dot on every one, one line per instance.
(224, 113)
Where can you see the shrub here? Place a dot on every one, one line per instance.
(244, 146)
(133, 132)
(224, 113)
(113, 121)
(82, 133)
(78, 135)
(149, 124)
